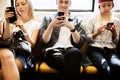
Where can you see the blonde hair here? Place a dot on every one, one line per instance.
(30, 13)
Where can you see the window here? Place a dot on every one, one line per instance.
(50, 5)
(77, 5)
(117, 6)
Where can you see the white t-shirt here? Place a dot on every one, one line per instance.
(63, 39)
(30, 26)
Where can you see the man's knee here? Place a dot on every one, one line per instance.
(74, 52)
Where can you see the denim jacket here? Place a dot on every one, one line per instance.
(76, 21)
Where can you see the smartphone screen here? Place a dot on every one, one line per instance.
(14, 18)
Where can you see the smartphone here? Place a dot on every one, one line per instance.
(109, 25)
(14, 18)
(61, 14)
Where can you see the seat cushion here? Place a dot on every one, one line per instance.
(44, 68)
(90, 70)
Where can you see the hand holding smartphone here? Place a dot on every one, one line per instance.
(14, 18)
(109, 25)
(61, 14)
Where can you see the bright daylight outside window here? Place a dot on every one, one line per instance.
(117, 6)
(50, 5)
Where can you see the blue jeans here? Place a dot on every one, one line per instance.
(104, 59)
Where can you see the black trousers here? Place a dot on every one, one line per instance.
(65, 60)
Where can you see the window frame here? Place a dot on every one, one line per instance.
(72, 10)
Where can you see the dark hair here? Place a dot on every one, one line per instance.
(112, 6)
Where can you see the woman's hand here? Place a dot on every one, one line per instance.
(1, 29)
(100, 29)
(111, 28)
(113, 31)
(8, 14)
(19, 23)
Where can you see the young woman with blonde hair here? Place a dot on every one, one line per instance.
(30, 28)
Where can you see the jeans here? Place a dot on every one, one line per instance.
(104, 59)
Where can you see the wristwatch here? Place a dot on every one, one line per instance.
(73, 30)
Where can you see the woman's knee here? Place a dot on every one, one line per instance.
(6, 54)
(115, 60)
(104, 67)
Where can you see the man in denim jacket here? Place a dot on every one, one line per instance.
(61, 38)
